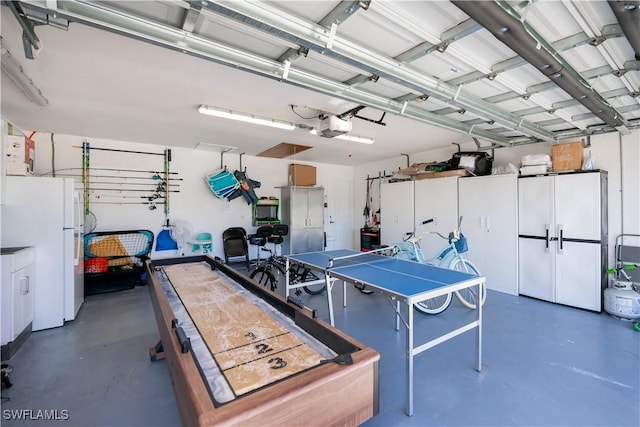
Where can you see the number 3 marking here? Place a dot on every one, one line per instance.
(278, 363)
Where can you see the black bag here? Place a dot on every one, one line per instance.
(476, 162)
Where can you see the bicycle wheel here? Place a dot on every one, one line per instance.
(309, 276)
(469, 296)
(263, 276)
(434, 305)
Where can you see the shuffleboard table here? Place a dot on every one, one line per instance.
(240, 354)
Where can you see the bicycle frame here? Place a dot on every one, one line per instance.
(273, 261)
(450, 256)
(445, 255)
(296, 275)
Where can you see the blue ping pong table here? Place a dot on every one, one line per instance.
(400, 281)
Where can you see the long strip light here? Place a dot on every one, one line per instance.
(243, 117)
(354, 138)
(24, 83)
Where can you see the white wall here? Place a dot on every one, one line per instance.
(617, 154)
(195, 202)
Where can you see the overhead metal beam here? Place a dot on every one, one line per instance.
(190, 16)
(266, 17)
(29, 37)
(609, 31)
(451, 35)
(338, 15)
(628, 14)
(501, 20)
(105, 18)
(342, 12)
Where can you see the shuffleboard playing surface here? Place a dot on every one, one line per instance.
(251, 347)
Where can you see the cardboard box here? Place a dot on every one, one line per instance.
(21, 153)
(303, 175)
(567, 157)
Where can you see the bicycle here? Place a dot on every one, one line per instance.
(449, 256)
(264, 274)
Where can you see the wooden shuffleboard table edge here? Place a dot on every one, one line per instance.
(329, 394)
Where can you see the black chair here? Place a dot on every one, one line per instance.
(279, 231)
(234, 243)
(259, 239)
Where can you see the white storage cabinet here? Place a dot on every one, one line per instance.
(563, 238)
(17, 291)
(436, 198)
(396, 211)
(489, 207)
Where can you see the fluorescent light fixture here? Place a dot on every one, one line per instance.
(248, 118)
(354, 138)
(24, 83)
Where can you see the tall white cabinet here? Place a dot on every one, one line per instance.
(563, 238)
(489, 207)
(302, 209)
(436, 198)
(396, 211)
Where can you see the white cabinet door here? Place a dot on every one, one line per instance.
(535, 206)
(489, 207)
(501, 227)
(471, 201)
(577, 205)
(578, 275)
(396, 211)
(536, 269)
(438, 199)
(315, 219)
(22, 306)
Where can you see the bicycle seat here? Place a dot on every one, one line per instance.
(279, 231)
(261, 236)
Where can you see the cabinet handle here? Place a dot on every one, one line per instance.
(546, 237)
(24, 285)
(560, 237)
(486, 223)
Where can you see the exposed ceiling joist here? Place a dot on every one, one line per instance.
(112, 20)
(317, 38)
(507, 26)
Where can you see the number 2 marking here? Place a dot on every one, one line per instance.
(263, 348)
(251, 335)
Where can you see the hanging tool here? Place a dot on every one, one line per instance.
(367, 205)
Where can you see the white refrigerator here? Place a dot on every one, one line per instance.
(563, 238)
(47, 213)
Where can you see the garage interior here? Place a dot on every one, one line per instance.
(376, 98)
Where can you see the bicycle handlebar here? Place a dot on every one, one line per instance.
(411, 234)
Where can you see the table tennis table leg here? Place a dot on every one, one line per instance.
(409, 359)
(344, 293)
(479, 329)
(329, 283)
(286, 278)
(397, 314)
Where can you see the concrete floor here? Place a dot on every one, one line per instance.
(543, 365)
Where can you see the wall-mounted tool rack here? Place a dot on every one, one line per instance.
(123, 186)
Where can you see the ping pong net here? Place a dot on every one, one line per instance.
(371, 257)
